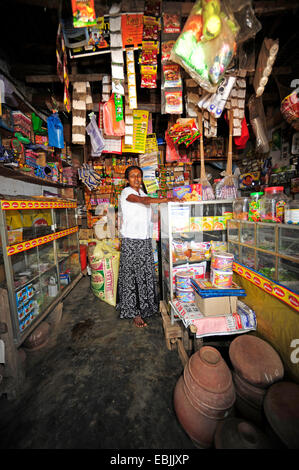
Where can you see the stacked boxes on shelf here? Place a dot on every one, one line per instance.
(22, 123)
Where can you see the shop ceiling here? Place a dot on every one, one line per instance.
(28, 48)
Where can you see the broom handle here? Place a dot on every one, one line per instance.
(229, 167)
(202, 159)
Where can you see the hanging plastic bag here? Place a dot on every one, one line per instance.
(55, 131)
(112, 126)
(207, 43)
(258, 123)
(96, 139)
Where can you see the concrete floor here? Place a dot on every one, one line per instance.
(99, 383)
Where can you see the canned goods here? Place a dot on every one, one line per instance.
(222, 261)
(221, 279)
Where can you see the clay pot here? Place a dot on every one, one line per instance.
(198, 427)
(281, 407)
(208, 383)
(254, 395)
(38, 338)
(249, 411)
(256, 361)
(235, 433)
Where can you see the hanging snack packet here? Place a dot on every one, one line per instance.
(173, 102)
(166, 50)
(171, 23)
(151, 28)
(148, 76)
(171, 75)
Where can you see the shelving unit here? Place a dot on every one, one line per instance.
(41, 258)
(270, 249)
(177, 224)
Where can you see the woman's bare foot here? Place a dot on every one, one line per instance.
(138, 322)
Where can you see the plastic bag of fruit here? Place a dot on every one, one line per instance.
(207, 43)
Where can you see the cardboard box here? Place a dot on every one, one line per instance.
(216, 306)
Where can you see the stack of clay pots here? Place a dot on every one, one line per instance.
(236, 433)
(281, 407)
(204, 395)
(256, 367)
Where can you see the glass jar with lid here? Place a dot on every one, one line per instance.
(291, 212)
(272, 204)
(240, 208)
(254, 214)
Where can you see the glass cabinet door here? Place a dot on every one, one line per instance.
(233, 230)
(234, 249)
(288, 274)
(63, 248)
(265, 237)
(24, 225)
(71, 217)
(48, 289)
(61, 219)
(266, 264)
(247, 256)
(288, 241)
(247, 233)
(25, 267)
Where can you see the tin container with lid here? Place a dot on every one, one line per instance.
(291, 212)
(254, 214)
(272, 204)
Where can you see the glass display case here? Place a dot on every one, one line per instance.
(189, 231)
(270, 249)
(40, 252)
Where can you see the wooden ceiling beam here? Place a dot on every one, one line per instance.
(51, 4)
(263, 8)
(84, 77)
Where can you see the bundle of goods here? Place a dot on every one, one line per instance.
(104, 264)
(227, 187)
(42, 140)
(22, 123)
(290, 108)
(207, 190)
(184, 131)
(207, 43)
(30, 158)
(70, 176)
(253, 376)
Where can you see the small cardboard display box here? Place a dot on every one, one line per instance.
(216, 306)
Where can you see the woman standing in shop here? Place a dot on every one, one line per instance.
(137, 287)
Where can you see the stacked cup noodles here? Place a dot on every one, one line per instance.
(184, 291)
(222, 269)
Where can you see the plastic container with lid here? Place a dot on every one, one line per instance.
(291, 212)
(272, 204)
(240, 208)
(254, 214)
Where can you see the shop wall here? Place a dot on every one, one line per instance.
(277, 323)
(12, 187)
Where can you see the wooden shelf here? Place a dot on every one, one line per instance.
(22, 176)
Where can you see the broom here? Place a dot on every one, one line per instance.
(228, 189)
(207, 190)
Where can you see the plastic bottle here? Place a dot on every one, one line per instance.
(272, 204)
(254, 214)
(291, 212)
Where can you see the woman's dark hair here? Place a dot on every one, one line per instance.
(130, 168)
(127, 172)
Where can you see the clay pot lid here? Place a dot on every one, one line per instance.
(281, 406)
(235, 433)
(209, 370)
(256, 360)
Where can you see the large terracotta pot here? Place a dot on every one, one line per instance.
(235, 433)
(208, 383)
(256, 361)
(281, 406)
(198, 427)
(254, 395)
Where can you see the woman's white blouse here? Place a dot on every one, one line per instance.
(135, 218)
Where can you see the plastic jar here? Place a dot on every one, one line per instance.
(216, 181)
(254, 214)
(240, 208)
(272, 204)
(291, 212)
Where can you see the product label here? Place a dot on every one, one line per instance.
(280, 210)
